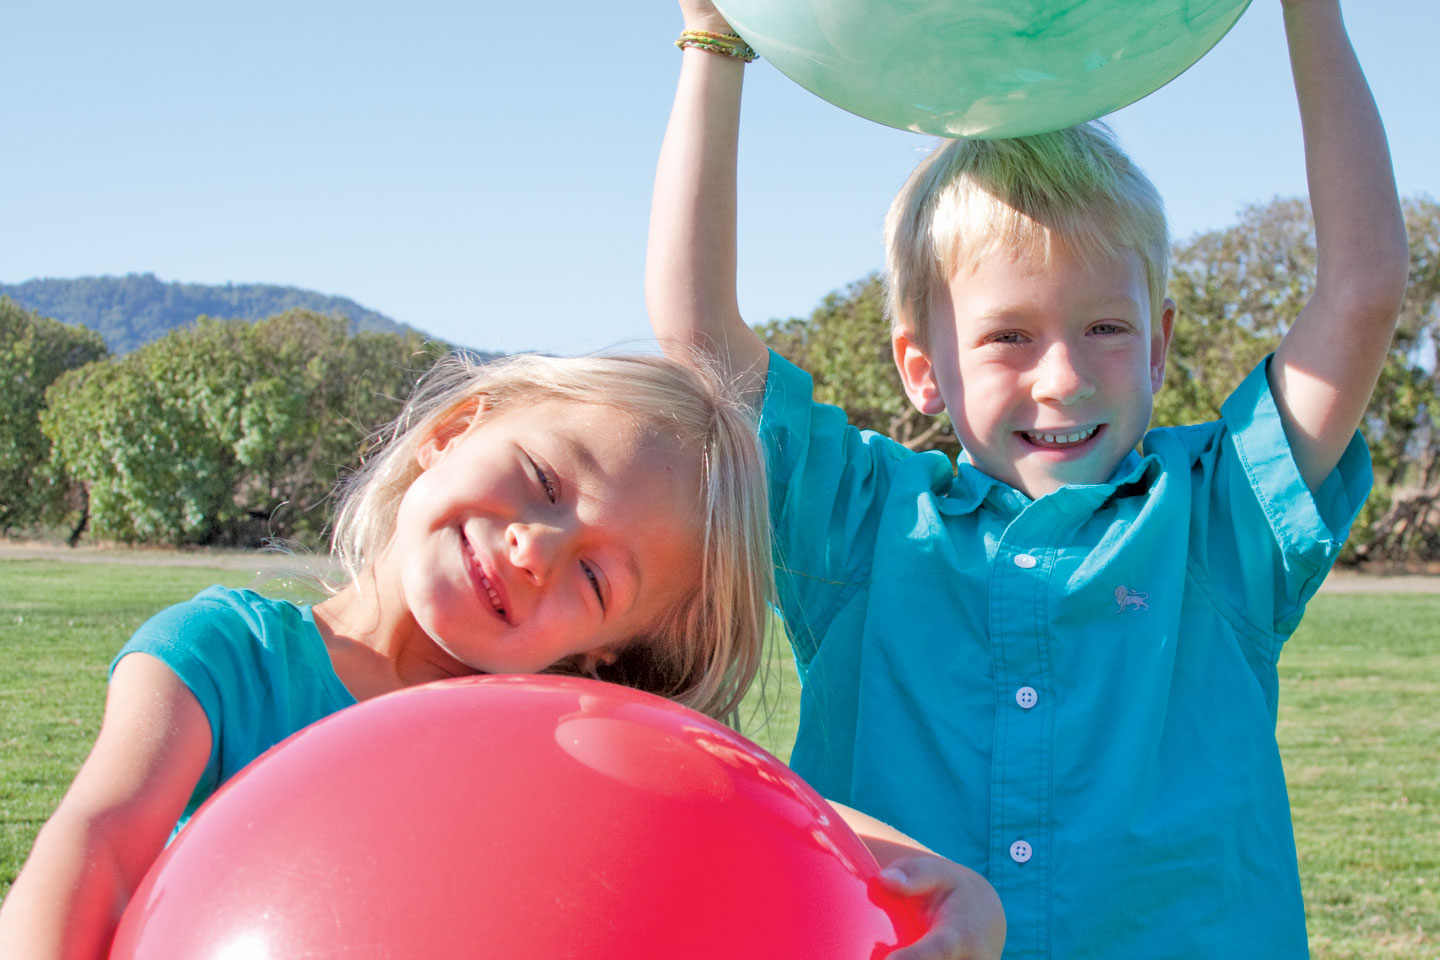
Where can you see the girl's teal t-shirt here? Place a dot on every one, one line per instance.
(258, 667)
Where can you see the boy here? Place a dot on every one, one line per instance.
(1055, 663)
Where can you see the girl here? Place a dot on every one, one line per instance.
(601, 516)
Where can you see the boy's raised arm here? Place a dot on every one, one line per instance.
(690, 259)
(1325, 368)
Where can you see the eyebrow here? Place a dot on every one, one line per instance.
(1117, 304)
(634, 566)
(1104, 301)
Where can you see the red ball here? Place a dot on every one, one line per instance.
(516, 817)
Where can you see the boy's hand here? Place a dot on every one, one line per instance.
(702, 15)
(966, 919)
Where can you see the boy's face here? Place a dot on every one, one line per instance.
(1048, 370)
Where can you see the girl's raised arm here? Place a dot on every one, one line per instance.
(113, 821)
(690, 260)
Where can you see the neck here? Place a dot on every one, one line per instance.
(374, 643)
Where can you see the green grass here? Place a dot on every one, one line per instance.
(60, 625)
(1360, 734)
(1359, 729)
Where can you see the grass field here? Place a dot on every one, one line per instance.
(1359, 728)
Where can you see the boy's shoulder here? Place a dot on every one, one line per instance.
(1192, 439)
(1248, 408)
(789, 401)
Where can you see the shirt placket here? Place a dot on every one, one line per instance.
(1021, 763)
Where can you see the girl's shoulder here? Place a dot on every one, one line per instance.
(227, 624)
(227, 608)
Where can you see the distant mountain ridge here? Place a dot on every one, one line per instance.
(132, 310)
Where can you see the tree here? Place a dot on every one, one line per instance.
(1236, 292)
(1404, 415)
(845, 346)
(228, 432)
(34, 350)
(314, 396)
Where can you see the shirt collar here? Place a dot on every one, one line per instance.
(1134, 475)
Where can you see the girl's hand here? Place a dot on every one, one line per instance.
(966, 919)
(702, 15)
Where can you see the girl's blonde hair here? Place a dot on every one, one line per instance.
(969, 198)
(708, 651)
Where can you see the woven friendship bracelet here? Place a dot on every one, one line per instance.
(728, 44)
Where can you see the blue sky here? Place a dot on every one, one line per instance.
(482, 171)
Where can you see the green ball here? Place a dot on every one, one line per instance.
(982, 68)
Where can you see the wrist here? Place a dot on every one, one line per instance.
(729, 46)
(711, 22)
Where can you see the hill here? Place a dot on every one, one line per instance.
(131, 311)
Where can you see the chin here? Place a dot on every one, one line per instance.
(1037, 490)
(1038, 487)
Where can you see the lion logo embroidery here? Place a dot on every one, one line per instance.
(1127, 598)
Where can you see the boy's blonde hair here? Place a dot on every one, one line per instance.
(1074, 188)
(707, 652)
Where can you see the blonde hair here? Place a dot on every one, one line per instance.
(705, 654)
(1074, 188)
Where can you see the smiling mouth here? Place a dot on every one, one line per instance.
(493, 594)
(485, 584)
(1059, 440)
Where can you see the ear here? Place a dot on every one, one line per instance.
(917, 374)
(593, 660)
(454, 425)
(1160, 343)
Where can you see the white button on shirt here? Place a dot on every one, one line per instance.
(1025, 561)
(1020, 851)
(1026, 697)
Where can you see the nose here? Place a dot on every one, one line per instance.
(533, 548)
(1060, 377)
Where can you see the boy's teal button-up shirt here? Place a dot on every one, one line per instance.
(1075, 696)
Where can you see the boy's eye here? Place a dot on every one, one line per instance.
(1108, 326)
(594, 583)
(1009, 336)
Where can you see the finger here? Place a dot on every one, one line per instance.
(938, 944)
(919, 876)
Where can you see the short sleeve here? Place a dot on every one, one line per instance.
(828, 484)
(1286, 537)
(258, 668)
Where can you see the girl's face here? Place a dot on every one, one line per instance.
(545, 531)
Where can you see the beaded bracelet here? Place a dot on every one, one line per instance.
(728, 44)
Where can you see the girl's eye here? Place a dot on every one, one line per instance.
(594, 583)
(547, 482)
